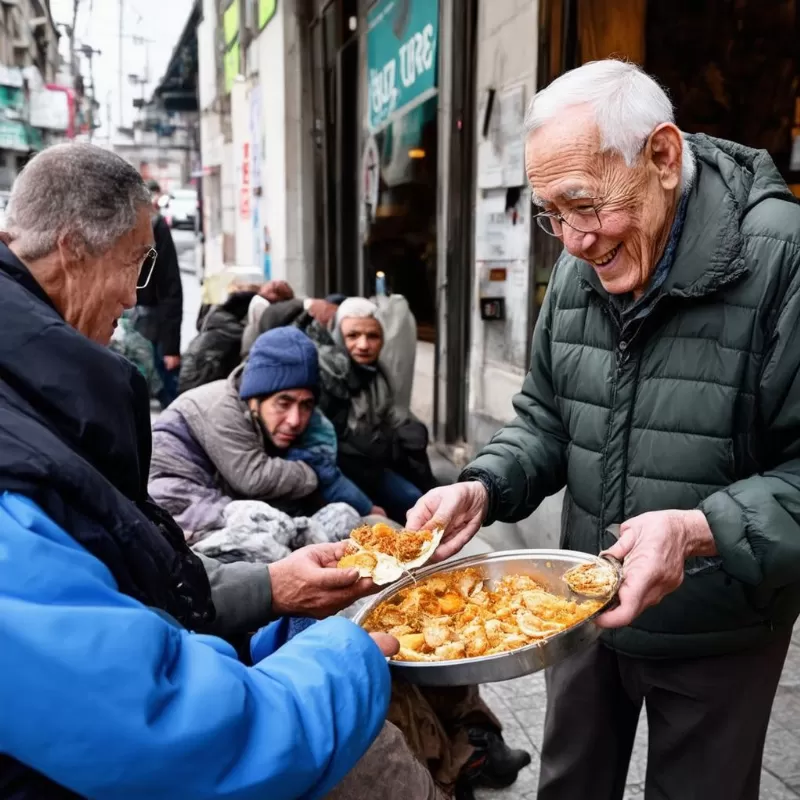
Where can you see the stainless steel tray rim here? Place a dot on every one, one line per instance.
(427, 673)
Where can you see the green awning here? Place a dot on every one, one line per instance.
(12, 99)
(18, 136)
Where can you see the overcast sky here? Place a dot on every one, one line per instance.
(160, 21)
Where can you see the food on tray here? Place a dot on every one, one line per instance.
(592, 580)
(458, 615)
(384, 554)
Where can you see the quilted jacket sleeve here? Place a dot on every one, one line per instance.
(526, 460)
(756, 521)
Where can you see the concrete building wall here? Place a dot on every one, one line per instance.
(240, 123)
(507, 57)
(263, 201)
(271, 49)
(212, 144)
(507, 44)
(299, 252)
(206, 55)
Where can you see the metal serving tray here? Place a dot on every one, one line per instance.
(545, 566)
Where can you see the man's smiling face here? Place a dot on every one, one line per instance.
(571, 175)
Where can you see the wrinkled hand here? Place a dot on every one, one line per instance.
(309, 584)
(275, 291)
(653, 548)
(460, 509)
(172, 363)
(322, 311)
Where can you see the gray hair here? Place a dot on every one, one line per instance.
(626, 102)
(354, 308)
(74, 188)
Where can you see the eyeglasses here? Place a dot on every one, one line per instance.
(584, 219)
(146, 270)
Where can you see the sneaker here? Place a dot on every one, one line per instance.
(494, 764)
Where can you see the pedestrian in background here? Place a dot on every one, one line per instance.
(159, 305)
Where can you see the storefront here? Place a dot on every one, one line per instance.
(393, 97)
(399, 170)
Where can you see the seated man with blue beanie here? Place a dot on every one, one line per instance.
(280, 383)
(247, 465)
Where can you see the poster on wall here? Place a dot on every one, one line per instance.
(260, 234)
(244, 186)
(501, 155)
(402, 44)
(502, 226)
(371, 177)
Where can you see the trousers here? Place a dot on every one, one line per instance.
(707, 722)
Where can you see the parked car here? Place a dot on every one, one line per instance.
(180, 210)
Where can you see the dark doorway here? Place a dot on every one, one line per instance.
(334, 84)
(401, 239)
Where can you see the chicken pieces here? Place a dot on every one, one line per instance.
(405, 546)
(457, 615)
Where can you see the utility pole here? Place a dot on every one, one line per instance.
(90, 53)
(121, 62)
(72, 59)
(244, 34)
(109, 121)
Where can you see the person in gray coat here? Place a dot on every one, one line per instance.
(247, 466)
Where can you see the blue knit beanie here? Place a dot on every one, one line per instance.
(280, 359)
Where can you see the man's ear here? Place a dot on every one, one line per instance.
(665, 152)
(72, 249)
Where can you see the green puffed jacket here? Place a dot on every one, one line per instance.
(697, 405)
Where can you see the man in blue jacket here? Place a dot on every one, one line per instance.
(112, 685)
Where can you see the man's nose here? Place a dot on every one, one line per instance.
(129, 300)
(293, 417)
(576, 242)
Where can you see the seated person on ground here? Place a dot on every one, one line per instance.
(247, 466)
(383, 450)
(272, 311)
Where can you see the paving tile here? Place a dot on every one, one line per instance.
(782, 753)
(637, 770)
(786, 708)
(520, 705)
(773, 788)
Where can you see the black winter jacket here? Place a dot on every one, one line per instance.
(216, 351)
(75, 438)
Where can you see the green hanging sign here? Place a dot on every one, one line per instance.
(266, 11)
(230, 32)
(402, 44)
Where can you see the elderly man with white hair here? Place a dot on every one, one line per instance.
(663, 393)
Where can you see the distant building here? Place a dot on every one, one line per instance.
(39, 105)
